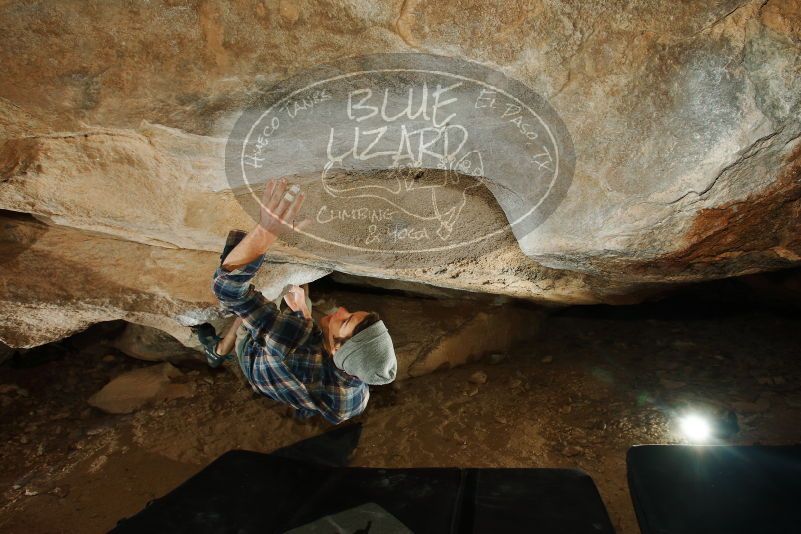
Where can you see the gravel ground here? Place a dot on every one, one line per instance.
(597, 381)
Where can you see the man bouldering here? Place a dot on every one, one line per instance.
(323, 368)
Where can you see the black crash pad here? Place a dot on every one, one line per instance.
(683, 489)
(246, 492)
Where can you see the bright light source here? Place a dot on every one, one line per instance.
(695, 427)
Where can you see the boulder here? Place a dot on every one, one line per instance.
(150, 344)
(58, 281)
(685, 121)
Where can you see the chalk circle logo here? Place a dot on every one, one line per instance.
(405, 159)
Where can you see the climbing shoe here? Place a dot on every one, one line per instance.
(208, 339)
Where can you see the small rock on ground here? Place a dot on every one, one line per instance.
(479, 377)
(135, 389)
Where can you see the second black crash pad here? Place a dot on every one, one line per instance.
(685, 489)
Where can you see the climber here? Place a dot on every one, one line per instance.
(287, 356)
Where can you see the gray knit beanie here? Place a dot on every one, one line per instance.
(369, 355)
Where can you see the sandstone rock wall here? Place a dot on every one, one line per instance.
(113, 119)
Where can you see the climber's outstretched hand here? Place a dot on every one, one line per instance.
(279, 208)
(295, 298)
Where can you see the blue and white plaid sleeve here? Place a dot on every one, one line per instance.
(337, 396)
(338, 404)
(278, 333)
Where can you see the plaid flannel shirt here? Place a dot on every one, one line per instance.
(283, 355)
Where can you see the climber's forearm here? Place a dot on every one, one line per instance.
(305, 310)
(253, 245)
(227, 343)
(278, 208)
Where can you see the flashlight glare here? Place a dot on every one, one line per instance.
(695, 427)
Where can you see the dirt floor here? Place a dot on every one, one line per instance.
(598, 381)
